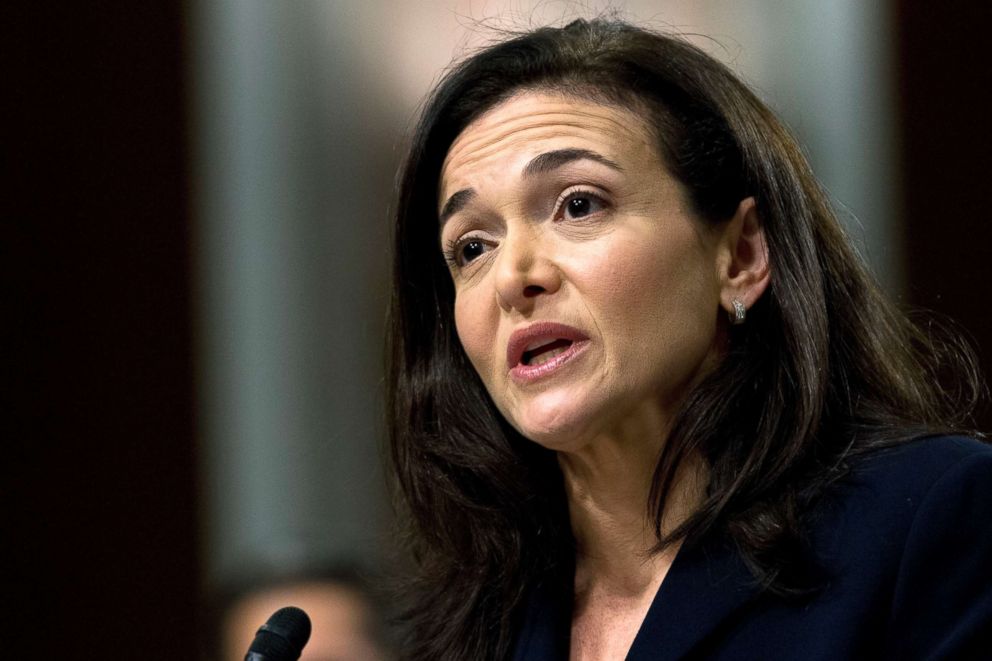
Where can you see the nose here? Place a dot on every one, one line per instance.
(526, 269)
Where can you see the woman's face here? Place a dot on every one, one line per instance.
(586, 291)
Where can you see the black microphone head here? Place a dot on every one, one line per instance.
(282, 637)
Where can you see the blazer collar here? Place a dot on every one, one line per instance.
(704, 586)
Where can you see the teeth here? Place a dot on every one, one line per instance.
(545, 357)
(539, 343)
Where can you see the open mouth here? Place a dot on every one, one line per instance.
(541, 347)
(545, 352)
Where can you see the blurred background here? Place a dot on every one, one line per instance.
(198, 266)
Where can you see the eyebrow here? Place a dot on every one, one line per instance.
(455, 204)
(540, 164)
(552, 160)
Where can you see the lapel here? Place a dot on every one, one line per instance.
(704, 586)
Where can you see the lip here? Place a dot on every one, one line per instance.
(544, 330)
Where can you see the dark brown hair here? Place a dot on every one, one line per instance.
(824, 368)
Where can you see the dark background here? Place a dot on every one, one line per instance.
(101, 466)
(100, 484)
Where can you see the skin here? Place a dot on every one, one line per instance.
(607, 244)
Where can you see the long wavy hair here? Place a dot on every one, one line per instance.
(824, 369)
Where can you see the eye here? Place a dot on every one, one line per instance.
(471, 249)
(575, 205)
(462, 251)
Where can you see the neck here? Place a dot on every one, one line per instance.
(608, 483)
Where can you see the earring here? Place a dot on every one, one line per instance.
(739, 312)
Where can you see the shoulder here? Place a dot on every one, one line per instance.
(922, 462)
(889, 487)
(914, 523)
(891, 495)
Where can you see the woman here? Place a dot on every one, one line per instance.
(645, 400)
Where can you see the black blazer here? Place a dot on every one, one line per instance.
(906, 542)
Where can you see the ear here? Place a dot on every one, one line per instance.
(743, 269)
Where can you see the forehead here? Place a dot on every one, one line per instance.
(510, 134)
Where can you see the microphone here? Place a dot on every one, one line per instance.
(282, 637)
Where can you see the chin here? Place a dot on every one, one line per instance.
(557, 422)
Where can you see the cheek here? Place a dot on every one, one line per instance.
(659, 295)
(476, 333)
